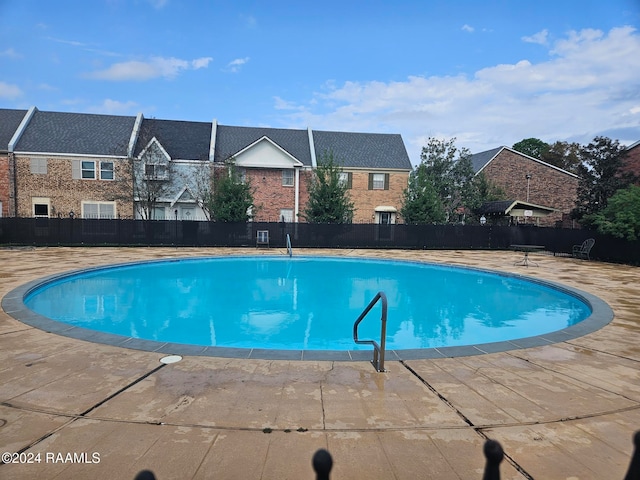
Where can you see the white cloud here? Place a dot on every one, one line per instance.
(588, 86)
(235, 65)
(540, 37)
(249, 21)
(10, 53)
(156, 67)
(158, 4)
(281, 104)
(468, 28)
(9, 91)
(115, 107)
(201, 62)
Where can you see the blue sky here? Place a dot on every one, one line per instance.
(488, 73)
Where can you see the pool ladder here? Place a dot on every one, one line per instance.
(378, 350)
(289, 249)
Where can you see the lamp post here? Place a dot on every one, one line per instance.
(528, 177)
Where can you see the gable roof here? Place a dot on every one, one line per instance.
(480, 160)
(231, 140)
(276, 158)
(9, 122)
(363, 150)
(509, 207)
(76, 133)
(180, 139)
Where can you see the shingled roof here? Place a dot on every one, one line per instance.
(231, 140)
(354, 150)
(9, 123)
(363, 150)
(181, 140)
(76, 133)
(479, 160)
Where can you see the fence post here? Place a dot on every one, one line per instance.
(494, 454)
(322, 463)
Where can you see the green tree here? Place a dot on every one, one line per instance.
(563, 155)
(232, 198)
(621, 216)
(601, 176)
(487, 190)
(421, 203)
(534, 147)
(451, 173)
(329, 200)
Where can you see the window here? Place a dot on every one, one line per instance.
(286, 215)
(155, 171)
(88, 170)
(287, 178)
(158, 213)
(39, 166)
(106, 170)
(346, 179)
(40, 210)
(98, 209)
(378, 181)
(40, 207)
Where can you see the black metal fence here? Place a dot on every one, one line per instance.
(117, 232)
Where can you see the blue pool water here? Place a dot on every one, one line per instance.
(305, 303)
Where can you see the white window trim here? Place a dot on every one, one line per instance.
(82, 170)
(373, 186)
(113, 170)
(41, 201)
(288, 173)
(84, 203)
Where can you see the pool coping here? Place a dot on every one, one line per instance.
(13, 304)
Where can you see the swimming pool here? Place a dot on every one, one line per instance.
(280, 307)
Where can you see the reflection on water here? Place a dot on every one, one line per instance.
(305, 303)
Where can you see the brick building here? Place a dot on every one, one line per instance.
(91, 166)
(10, 121)
(72, 164)
(529, 180)
(632, 162)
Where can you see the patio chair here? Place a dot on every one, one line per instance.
(583, 250)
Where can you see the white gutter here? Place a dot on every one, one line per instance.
(133, 139)
(212, 144)
(312, 148)
(21, 128)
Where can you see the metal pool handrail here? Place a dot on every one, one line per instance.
(289, 249)
(378, 350)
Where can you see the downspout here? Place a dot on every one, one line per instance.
(131, 148)
(297, 196)
(13, 198)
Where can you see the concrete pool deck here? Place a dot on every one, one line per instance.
(564, 410)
